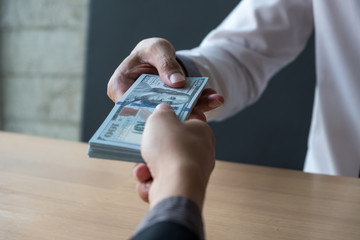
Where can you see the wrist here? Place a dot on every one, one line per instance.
(185, 180)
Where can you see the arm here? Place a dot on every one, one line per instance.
(179, 163)
(254, 42)
(175, 218)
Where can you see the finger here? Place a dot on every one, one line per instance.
(196, 114)
(126, 74)
(164, 111)
(122, 79)
(171, 73)
(162, 56)
(207, 92)
(164, 106)
(117, 86)
(143, 189)
(209, 102)
(163, 117)
(141, 172)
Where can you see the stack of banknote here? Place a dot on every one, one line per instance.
(119, 136)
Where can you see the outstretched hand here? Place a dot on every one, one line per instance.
(180, 157)
(152, 56)
(157, 56)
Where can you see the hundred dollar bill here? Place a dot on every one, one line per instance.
(119, 136)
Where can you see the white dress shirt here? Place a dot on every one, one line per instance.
(259, 37)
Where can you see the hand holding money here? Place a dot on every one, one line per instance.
(152, 56)
(179, 160)
(120, 134)
(156, 56)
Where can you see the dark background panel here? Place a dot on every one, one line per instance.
(272, 132)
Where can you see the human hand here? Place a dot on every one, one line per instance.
(152, 56)
(156, 56)
(180, 157)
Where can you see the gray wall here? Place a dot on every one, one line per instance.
(272, 132)
(42, 48)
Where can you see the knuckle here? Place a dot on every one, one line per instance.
(160, 42)
(168, 64)
(161, 45)
(109, 89)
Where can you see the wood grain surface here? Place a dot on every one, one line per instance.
(50, 189)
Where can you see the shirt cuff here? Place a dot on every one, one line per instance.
(188, 65)
(180, 210)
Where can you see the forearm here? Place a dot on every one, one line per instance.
(254, 42)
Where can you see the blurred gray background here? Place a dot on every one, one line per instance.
(56, 58)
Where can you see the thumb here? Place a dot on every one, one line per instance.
(165, 109)
(163, 115)
(163, 57)
(162, 119)
(171, 72)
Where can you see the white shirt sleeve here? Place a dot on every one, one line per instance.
(256, 40)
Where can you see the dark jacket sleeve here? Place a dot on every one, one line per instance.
(166, 231)
(188, 66)
(172, 217)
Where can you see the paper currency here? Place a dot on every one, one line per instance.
(119, 136)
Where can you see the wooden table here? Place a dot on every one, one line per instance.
(50, 189)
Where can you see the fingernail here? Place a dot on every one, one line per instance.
(177, 77)
(163, 106)
(215, 103)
